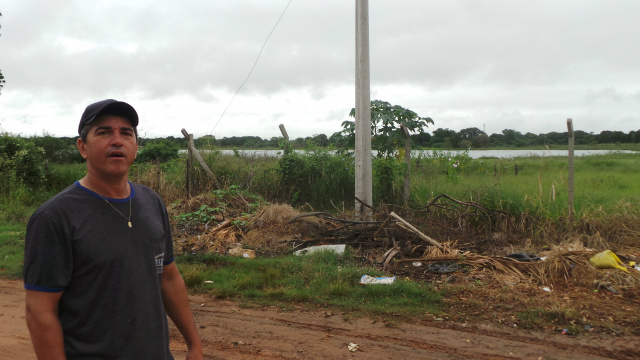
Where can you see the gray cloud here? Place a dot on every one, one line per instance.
(526, 66)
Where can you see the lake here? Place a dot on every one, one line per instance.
(474, 154)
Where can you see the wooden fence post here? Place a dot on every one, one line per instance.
(407, 161)
(570, 180)
(189, 172)
(194, 151)
(286, 138)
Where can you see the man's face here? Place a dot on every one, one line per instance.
(111, 147)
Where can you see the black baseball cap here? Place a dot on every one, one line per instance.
(108, 107)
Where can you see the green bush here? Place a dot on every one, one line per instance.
(387, 179)
(14, 204)
(158, 150)
(58, 150)
(22, 158)
(317, 177)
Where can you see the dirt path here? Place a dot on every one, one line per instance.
(231, 332)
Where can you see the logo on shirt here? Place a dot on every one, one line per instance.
(159, 263)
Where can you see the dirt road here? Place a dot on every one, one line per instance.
(231, 332)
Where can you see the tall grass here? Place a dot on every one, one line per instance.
(323, 180)
(605, 185)
(317, 178)
(11, 249)
(539, 188)
(62, 175)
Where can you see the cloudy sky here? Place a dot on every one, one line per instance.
(493, 65)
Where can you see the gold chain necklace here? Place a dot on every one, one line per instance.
(114, 208)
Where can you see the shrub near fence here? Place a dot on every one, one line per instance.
(317, 178)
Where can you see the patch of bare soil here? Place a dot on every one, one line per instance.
(232, 332)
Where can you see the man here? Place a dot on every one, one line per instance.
(99, 272)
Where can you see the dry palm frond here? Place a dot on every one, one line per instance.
(507, 266)
(561, 266)
(219, 241)
(447, 249)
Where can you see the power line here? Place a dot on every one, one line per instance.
(253, 67)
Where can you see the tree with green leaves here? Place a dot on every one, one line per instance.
(386, 134)
(387, 137)
(470, 133)
(161, 150)
(445, 138)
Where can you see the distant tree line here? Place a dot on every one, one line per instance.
(63, 149)
(439, 138)
(476, 138)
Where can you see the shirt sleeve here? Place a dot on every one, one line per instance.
(168, 254)
(48, 258)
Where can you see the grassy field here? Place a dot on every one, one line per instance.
(535, 185)
(607, 198)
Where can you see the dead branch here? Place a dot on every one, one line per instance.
(416, 231)
(365, 204)
(324, 215)
(220, 226)
(468, 204)
(390, 254)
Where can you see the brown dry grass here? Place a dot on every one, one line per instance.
(269, 231)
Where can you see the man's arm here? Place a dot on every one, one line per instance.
(176, 303)
(44, 325)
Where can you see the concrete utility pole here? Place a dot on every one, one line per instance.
(364, 181)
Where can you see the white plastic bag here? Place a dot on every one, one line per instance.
(370, 280)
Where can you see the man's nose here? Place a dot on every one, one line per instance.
(116, 139)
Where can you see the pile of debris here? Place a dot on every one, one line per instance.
(390, 242)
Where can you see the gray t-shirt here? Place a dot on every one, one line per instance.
(109, 274)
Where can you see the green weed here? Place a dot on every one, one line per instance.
(558, 317)
(322, 279)
(11, 249)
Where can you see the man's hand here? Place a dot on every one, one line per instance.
(193, 354)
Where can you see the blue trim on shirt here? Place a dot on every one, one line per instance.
(95, 194)
(168, 262)
(42, 288)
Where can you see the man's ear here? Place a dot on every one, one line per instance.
(82, 148)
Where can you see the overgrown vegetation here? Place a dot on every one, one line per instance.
(324, 180)
(311, 178)
(521, 197)
(158, 151)
(11, 249)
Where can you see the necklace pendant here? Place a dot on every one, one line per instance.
(129, 223)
